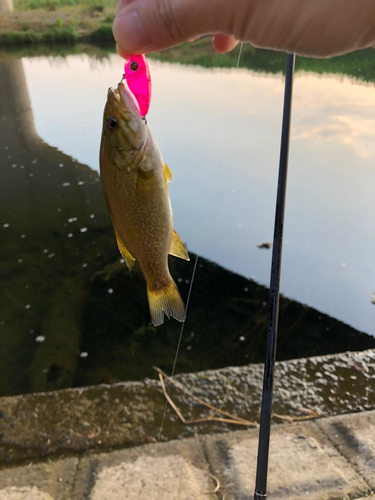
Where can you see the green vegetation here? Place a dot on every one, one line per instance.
(91, 21)
(103, 33)
(360, 65)
(93, 5)
(56, 33)
(58, 21)
(57, 50)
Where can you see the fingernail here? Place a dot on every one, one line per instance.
(128, 31)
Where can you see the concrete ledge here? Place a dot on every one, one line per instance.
(354, 437)
(303, 462)
(104, 417)
(331, 459)
(44, 481)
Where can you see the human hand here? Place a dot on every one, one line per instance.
(319, 28)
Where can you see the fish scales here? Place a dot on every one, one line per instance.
(134, 179)
(144, 225)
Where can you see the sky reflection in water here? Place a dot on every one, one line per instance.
(219, 131)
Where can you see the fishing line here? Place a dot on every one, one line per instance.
(198, 251)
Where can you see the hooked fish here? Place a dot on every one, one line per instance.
(134, 178)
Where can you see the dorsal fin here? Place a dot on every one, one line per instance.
(177, 248)
(129, 259)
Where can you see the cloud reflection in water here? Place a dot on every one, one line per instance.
(219, 131)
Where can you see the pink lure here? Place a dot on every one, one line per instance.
(137, 75)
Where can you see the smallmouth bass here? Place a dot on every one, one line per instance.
(134, 178)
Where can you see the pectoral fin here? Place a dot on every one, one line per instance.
(167, 175)
(177, 248)
(129, 259)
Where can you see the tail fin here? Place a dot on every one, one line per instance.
(166, 300)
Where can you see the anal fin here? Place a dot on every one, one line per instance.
(177, 248)
(129, 259)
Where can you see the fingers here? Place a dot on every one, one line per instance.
(143, 26)
(309, 27)
(223, 43)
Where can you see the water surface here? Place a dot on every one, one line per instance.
(219, 131)
(70, 312)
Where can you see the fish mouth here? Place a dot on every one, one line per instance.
(122, 104)
(124, 101)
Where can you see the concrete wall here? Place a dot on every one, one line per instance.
(15, 107)
(6, 6)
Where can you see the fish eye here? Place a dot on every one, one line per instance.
(111, 123)
(133, 66)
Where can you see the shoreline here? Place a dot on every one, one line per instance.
(106, 417)
(62, 34)
(68, 24)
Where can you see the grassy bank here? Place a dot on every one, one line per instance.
(360, 64)
(58, 21)
(45, 27)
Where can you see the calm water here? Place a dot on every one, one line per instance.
(219, 131)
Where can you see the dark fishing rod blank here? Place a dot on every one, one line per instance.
(269, 367)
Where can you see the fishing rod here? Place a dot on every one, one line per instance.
(269, 366)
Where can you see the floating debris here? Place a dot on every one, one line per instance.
(265, 245)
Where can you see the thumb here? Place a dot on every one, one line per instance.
(144, 26)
